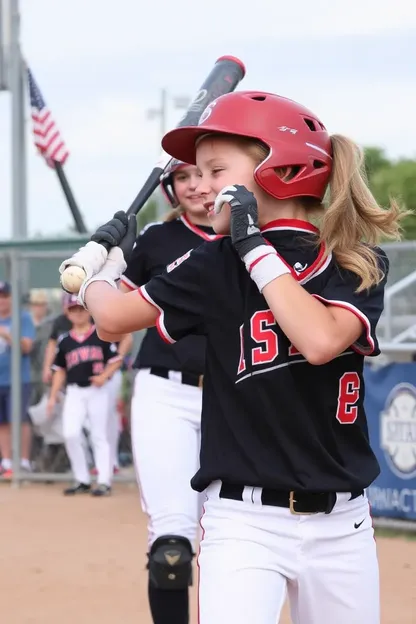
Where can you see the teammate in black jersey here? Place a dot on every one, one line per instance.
(289, 312)
(167, 402)
(86, 364)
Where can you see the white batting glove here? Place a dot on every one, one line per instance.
(111, 272)
(92, 258)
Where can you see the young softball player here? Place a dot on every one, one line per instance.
(114, 386)
(167, 402)
(289, 312)
(86, 364)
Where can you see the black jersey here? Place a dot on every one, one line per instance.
(269, 417)
(83, 356)
(157, 246)
(61, 325)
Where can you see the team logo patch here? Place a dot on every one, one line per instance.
(398, 430)
(299, 267)
(178, 261)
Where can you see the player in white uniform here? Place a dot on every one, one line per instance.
(85, 363)
(114, 389)
(166, 404)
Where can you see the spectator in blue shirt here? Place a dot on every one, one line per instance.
(26, 343)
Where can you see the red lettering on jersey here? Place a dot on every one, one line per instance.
(293, 350)
(71, 359)
(261, 333)
(242, 362)
(97, 368)
(96, 353)
(348, 395)
(84, 354)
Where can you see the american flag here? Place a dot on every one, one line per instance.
(46, 135)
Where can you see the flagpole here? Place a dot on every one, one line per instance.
(73, 206)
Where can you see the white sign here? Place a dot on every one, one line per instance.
(398, 430)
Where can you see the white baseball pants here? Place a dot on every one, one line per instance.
(165, 428)
(114, 425)
(82, 406)
(252, 554)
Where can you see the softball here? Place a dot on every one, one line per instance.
(72, 278)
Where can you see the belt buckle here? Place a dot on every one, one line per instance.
(200, 381)
(293, 511)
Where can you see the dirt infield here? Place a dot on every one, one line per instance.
(82, 560)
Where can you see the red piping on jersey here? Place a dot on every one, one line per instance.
(160, 326)
(290, 224)
(197, 230)
(130, 285)
(317, 269)
(362, 317)
(82, 337)
(298, 226)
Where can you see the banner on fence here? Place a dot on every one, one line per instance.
(390, 404)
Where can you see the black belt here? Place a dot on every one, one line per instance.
(80, 384)
(299, 502)
(190, 379)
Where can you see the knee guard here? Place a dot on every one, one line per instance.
(170, 562)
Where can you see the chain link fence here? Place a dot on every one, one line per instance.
(34, 264)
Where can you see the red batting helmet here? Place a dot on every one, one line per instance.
(294, 135)
(167, 181)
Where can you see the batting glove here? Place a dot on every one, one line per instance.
(111, 272)
(260, 258)
(120, 232)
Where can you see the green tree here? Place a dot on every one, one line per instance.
(398, 180)
(148, 214)
(375, 159)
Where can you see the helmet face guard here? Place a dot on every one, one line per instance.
(297, 141)
(167, 181)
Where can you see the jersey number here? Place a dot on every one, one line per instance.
(348, 395)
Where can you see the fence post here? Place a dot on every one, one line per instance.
(16, 357)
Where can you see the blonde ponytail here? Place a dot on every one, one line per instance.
(173, 214)
(353, 222)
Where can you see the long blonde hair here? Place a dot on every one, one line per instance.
(173, 214)
(351, 222)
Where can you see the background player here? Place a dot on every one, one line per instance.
(85, 363)
(167, 402)
(114, 387)
(61, 325)
(285, 455)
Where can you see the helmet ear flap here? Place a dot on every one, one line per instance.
(169, 191)
(167, 181)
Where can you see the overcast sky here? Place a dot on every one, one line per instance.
(100, 66)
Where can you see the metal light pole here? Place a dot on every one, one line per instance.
(3, 45)
(179, 102)
(19, 277)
